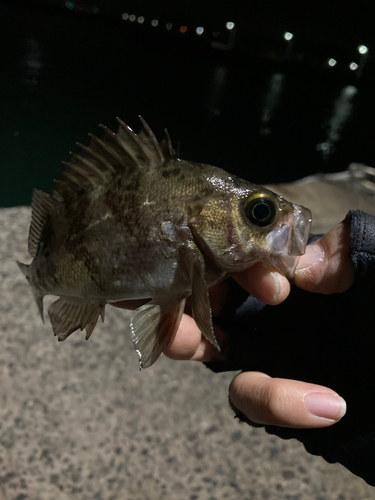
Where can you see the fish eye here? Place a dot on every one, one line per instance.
(261, 210)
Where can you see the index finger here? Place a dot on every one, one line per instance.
(189, 344)
(266, 285)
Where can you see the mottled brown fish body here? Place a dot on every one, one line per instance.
(129, 220)
(116, 231)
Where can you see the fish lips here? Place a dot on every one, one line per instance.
(288, 241)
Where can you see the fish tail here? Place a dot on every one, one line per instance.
(38, 297)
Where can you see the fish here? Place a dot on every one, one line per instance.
(129, 219)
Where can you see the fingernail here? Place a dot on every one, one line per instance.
(313, 255)
(326, 406)
(276, 278)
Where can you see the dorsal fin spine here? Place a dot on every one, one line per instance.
(81, 171)
(71, 178)
(152, 138)
(117, 153)
(135, 137)
(97, 157)
(109, 151)
(56, 196)
(90, 165)
(170, 145)
(121, 144)
(63, 187)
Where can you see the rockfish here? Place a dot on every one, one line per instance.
(130, 220)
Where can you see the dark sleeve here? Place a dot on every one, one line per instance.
(322, 339)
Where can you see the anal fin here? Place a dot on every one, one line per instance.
(67, 315)
(153, 327)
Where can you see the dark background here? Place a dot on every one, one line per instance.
(245, 99)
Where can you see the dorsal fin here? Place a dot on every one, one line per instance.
(42, 204)
(123, 151)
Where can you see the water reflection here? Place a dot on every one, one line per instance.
(342, 111)
(271, 102)
(56, 88)
(32, 62)
(216, 90)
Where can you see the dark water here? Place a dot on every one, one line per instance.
(263, 120)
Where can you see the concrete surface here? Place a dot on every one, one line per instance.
(79, 421)
(331, 196)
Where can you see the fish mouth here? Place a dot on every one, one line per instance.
(288, 242)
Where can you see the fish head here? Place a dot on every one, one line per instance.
(247, 224)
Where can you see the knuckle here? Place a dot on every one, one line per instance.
(241, 392)
(272, 398)
(256, 396)
(237, 386)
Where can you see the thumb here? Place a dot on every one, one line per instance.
(326, 267)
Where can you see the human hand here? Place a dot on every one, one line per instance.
(325, 268)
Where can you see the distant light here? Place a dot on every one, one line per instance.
(288, 36)
(362, 49)
(199, 30)
(141, 19)
(169, 26)
(70, 5)
(183, 29)
(353, 66)
(230, 26)
(332, 62)
(125, 16)
(96, 10)
(154, 22)
(132, 18)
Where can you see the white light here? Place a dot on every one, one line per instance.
(125, 16)
(95, 10)
(353, 66)
(199, 30)
(288, 36)
(362, 49)
(332, 62)
(154, 22)
(132, 18)
(230, 26)
(141, 19)
(169, 26)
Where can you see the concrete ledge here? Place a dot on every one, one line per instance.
(79, 421)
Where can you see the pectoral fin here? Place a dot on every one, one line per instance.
(67, 316)
(153, 327)
(200, 303)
